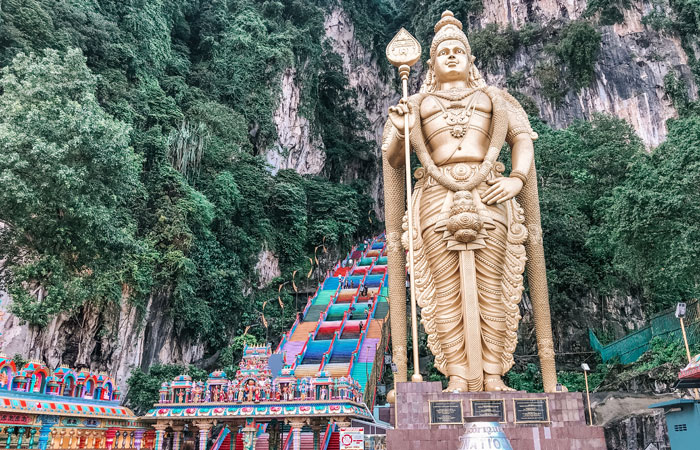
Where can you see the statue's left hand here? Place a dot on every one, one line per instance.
(501, 190)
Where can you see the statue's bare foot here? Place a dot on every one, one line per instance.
(494, 383)
(457, 384)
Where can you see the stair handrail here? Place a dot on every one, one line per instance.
(327, 355)
(288, 335)
(327, 436)
(322, 318)
(283, 340)
(361, 339)
(288, 440)
(310, 300)
(344, 321)
(301, 354)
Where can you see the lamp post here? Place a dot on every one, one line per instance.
(585, 368)
(680, 314)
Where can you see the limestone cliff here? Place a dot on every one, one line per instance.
(628, 83)
(109, 338)
(629, 72)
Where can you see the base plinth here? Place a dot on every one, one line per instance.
(564, 428)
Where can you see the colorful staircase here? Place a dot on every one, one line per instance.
(344, 323)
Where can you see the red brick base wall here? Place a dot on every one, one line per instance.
(567, 429)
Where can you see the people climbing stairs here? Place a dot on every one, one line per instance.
(343, 324)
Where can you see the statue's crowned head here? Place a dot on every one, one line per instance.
(450, 56)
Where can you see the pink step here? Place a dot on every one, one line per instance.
(368, 350)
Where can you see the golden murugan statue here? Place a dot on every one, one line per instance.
(471, 236)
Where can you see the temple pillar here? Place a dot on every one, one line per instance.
(82, 438)
(71, 440)
(204, 426)
(138, 438)
(177, 436)
(316, 428)
(160, 433)
(110, 434)
(296, 426)
(272, 432)
(249, 432)
(20, 436)
(47, 423)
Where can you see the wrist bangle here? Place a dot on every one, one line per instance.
(519, 175)
(399, 135)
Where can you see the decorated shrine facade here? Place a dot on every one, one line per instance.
(252, 401)
(64, 409)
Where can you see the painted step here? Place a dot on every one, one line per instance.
(313, 314)
(261, 443)
(302, 331)
(291, 350)
(381, 310)
(306, 370)
(368, 350)
(375, 330)
(337, 370)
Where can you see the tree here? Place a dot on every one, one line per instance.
(652, 221)
(69, 178)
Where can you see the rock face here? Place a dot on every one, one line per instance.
(374, 92)
(629, 423)
(629, 72)
(617, 314)
(297, 147)
(267, 268)
(109, 338)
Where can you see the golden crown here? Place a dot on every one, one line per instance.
(448, 28)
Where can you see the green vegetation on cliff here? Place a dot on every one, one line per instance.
(133, 158)
(132, 167)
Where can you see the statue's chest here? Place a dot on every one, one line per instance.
(455, 117)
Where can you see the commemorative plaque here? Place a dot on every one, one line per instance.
(491, 408)
(446, 412)
(531, 410)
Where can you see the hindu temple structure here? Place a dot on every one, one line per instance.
(64, 409)
(328, 366)
(332, 358)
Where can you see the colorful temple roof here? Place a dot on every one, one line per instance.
(34, 388)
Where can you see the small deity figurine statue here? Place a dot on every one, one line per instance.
(179, 397)
(207, 396)
(257, 393)
(469, 231)
(229, 394)
(324, 393)
(250, 391)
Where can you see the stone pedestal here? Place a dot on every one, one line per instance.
(566, 429)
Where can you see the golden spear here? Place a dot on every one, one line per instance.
(404, 51)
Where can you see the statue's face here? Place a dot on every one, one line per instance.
(451, 61)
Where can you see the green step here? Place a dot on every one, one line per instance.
(323, 297)
(381, 310)
(314, 313)
(360, 372)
